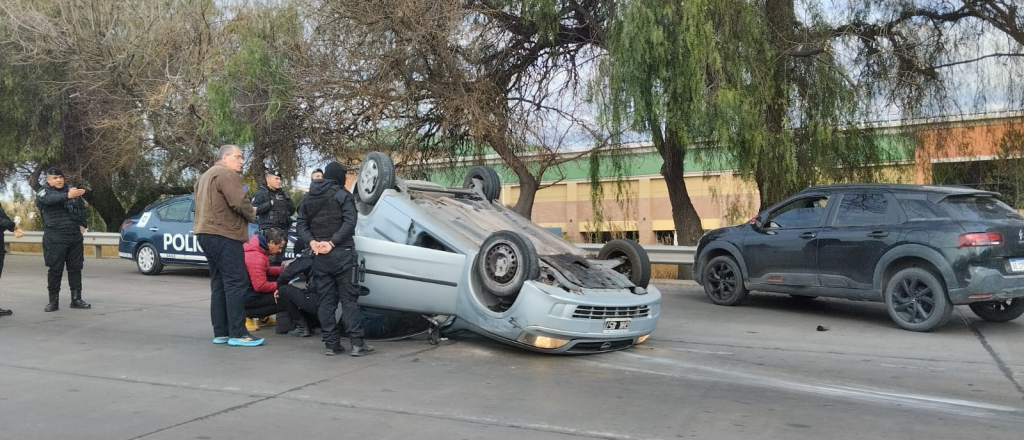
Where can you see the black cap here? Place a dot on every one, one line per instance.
(318, 170)
(273, 172)
(54, 171)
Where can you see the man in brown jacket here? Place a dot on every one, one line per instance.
(222, 225)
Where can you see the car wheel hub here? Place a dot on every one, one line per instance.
(368, 178)
(723, 280)
(146, 259)
(913, 301)
(502, 263)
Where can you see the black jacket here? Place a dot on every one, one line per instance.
(273, 215)
(61, 216)
(328, 212)
(6, 224)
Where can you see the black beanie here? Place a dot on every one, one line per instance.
(336, 172)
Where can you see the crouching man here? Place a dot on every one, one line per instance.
(301, 302)
(261, 301)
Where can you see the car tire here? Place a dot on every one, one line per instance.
(376, 174)
(487, 179)
(506, 261)
(147, 260)
(999, 311)
(916, 300)
(637, 265)
(723, 281)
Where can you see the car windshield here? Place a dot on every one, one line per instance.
(978, 208)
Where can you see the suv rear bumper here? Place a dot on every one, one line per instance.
(989, 282)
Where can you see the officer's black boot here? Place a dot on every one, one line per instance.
(76, 300)
(53, 306)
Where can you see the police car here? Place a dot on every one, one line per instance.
(162, 235)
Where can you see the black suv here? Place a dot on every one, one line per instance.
(920, 249)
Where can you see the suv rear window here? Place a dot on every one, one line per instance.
(978, 208)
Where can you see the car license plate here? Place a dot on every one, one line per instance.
(617, 325)
(1017, 264)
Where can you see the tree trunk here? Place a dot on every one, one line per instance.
(687, 222)
(102, 199)
(777, 185)
(528, 184)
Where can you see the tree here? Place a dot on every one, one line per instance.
(735, 81)
(125, 77)
(251, 91)
(453, 78)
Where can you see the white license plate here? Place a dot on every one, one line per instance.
(1017, 264)
(617, 325)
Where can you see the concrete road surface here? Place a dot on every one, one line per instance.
(140, 365)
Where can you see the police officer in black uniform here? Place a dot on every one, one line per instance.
(327, 221)
(6, 224)
(273, 207)
(64, 223)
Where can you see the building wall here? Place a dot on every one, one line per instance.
(721, 199)
(961, 142)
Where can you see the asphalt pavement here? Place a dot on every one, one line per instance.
(140, 365)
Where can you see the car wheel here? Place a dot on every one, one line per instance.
(999, 311)
(376, 174)
(723, 282)
(147, 260)
(636, 265)
(486, 179)
(506, 261)
(916, 300)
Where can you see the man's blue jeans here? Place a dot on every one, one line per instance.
(229, 284)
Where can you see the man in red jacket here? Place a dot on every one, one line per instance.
(261, 301)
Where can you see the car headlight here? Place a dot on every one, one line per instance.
(541, 341)
(641, 339)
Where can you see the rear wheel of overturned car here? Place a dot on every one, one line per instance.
(485, 179)
(147, 260)
(723, 282)
(506, 261)
(999, 311)
(636, 265)
(376, 174)
(916, 300)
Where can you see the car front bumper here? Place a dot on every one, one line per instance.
(548, 319)
(988, 285)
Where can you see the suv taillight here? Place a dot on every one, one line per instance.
(980, 239)
(126, 224)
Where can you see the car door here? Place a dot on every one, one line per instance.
(172, 233)
(783, 251)
(864, 226)
(409, 278)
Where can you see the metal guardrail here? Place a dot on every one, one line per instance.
(94, 239)
(658, 253)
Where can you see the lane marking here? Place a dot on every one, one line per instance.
(919, 401)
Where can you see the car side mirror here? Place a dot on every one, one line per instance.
(759, 221)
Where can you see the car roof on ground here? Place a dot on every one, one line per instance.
(942, 189)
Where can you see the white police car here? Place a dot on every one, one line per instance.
(162, 235)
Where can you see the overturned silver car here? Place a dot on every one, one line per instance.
(468, 262)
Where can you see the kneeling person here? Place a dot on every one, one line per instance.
(261, 301)
(301, 302)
